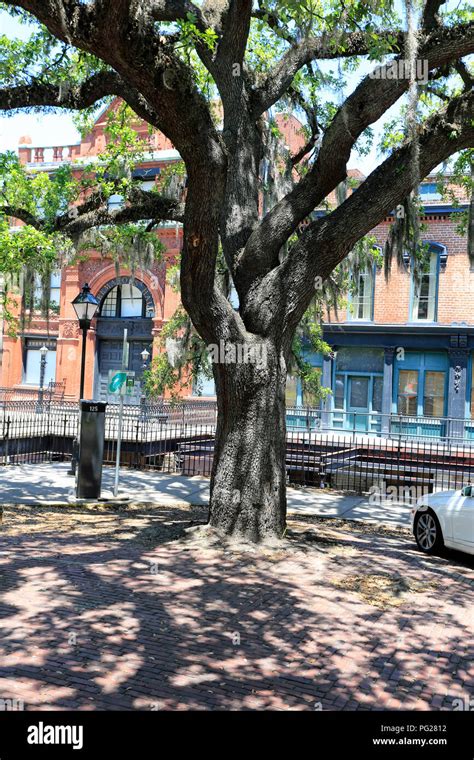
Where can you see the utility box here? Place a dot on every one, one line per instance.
(91, 449)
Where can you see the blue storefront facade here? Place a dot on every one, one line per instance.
(384, 378)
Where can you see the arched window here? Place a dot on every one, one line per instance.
(124, 301)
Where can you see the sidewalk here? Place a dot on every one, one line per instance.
(103, 610)
(50, 483)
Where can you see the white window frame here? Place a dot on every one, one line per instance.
(364, 300)
(54, 288)
(32, 365)
(432, 276)
(134, 303)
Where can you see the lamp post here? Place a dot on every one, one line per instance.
(145, 356)
(43, 352)
(85, 305)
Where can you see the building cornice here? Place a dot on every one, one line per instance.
(399, 329)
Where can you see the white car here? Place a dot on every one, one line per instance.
(445, 519)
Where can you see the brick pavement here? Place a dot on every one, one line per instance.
(101, 610)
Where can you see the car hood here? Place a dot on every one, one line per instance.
(437, 499)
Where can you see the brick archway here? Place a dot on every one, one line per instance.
(109, 334)
(125, 280)
(148, 282)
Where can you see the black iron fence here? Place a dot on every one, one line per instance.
(52, 392)
(36, 431)
(179, 439)
(376, 424)
(390, 468)
(308, 419)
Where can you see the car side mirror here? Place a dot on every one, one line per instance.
(467, 491)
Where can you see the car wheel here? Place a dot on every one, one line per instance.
(428, 533)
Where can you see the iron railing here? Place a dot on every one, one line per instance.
(398, 469)
(354, 423)
(53, 392)
(404, 427)
(180, 439)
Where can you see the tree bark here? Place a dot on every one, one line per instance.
(248, 494)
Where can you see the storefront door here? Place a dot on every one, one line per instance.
(358, 402)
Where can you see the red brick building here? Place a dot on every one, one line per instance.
(142, 307)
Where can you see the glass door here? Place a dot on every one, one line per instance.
(358, 402)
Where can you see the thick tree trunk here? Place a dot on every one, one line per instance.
(248, 487)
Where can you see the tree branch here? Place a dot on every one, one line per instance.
(234, 34)
(465, 75)
(66, 19)
(439, 93)
(161, 86)
(279, 79)
(312, 117)
(369, 101)
(272, 20)
(174, 10)
(64, 95)
(145, 205)
(308, 49)
(94, 212)
(22, 214)
(430, 18)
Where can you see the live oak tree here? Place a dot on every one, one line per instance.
(168, 59)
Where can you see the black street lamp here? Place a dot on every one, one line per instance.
(43, 352)
(85, 306)
(145, 356)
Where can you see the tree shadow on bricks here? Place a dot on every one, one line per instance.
(116, 621)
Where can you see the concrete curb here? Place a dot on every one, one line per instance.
(107, 504)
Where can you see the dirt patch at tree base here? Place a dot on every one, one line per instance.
(383, 590)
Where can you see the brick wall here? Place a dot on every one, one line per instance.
(456, 282)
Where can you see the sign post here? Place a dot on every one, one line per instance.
(120, 383)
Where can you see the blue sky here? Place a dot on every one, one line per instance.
(47, 129)
(58, 129)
